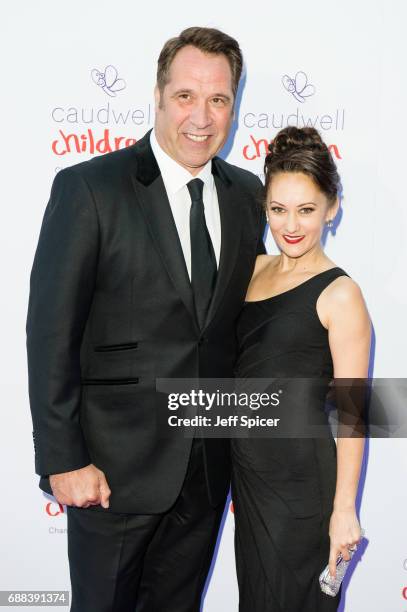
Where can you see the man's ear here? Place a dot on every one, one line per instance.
(234, 110)
(157, 98)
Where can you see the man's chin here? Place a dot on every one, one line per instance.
(197, 156)
(194, 165)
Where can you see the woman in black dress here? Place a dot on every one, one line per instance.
(304, 317)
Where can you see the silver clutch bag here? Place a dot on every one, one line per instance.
(330, 585)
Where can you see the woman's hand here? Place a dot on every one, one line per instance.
(344, 532)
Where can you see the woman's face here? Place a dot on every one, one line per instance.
(297, 211)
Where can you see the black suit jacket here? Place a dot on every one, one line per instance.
(111, 310)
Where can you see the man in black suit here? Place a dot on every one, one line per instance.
(142, 265)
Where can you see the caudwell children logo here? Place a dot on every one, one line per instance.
(298, 86)
(79, 127)
(108, 80)
(270, 120)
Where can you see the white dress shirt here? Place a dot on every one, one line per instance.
(175, 179)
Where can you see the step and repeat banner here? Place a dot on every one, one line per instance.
(77, 81)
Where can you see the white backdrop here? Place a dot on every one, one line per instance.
(353, 55)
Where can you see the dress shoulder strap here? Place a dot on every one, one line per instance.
(321, 281)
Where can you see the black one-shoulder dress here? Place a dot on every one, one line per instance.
(283, 488)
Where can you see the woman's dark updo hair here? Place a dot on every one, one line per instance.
(303, 150)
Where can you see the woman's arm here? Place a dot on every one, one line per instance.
(342, 308)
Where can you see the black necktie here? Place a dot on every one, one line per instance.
(203, 260)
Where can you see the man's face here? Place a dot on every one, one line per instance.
(195, 111)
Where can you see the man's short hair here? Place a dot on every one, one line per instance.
(207, 40)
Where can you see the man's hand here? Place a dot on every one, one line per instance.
(83, 488)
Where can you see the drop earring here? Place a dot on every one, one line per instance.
(329, 223)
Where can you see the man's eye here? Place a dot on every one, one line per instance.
(218, 101)
(184, 96)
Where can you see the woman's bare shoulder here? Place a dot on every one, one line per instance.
(262, 261)
(343, 290)
(256, 285)
(342, 300)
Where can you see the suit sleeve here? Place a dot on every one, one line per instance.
(61, 289)
(261, 249)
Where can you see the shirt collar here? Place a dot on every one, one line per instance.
(176, 177)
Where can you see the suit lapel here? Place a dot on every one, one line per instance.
(154, 202)
(229, 198)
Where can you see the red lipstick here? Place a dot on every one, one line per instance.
(293, 240)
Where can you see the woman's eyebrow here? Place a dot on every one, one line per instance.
(298, 205)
